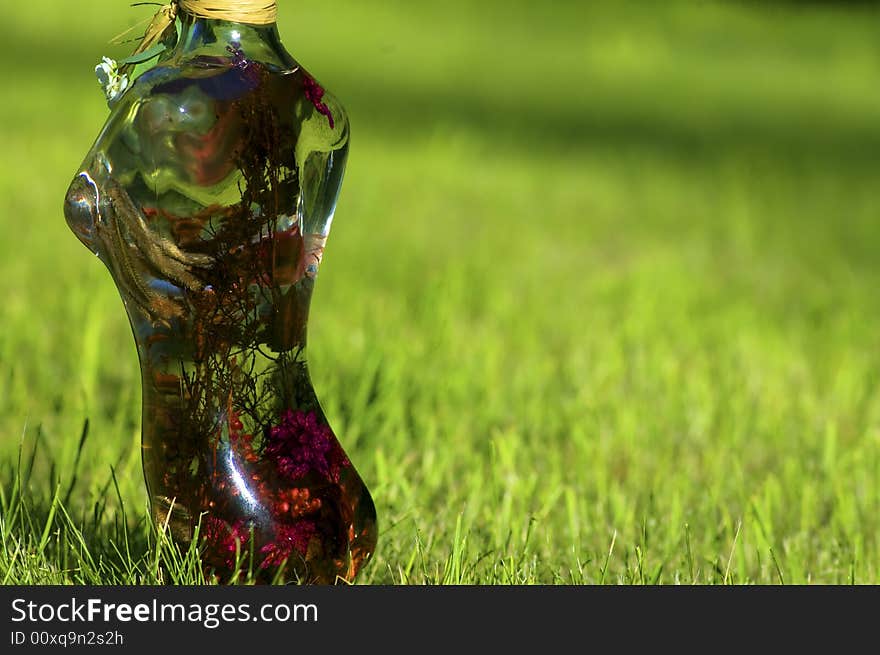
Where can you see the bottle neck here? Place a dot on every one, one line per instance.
(207, 37)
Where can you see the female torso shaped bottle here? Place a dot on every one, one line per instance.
(209, 196)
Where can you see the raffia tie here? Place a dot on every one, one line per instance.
(252, 12)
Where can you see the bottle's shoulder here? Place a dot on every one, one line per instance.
(196, 122)
(192, 87)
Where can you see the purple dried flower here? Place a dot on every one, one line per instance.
(238, 58)
(223, 538)
(300, 445)
(288, 538)
(250, 69)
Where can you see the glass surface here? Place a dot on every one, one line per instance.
(209, 195)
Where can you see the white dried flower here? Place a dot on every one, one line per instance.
(111, 81)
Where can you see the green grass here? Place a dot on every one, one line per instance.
(601, 304)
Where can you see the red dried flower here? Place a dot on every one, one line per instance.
(294, 503)
(315, 92)
(241, 443)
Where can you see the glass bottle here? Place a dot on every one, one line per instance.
(209, 196)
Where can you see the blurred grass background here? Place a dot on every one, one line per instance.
(600, 304)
